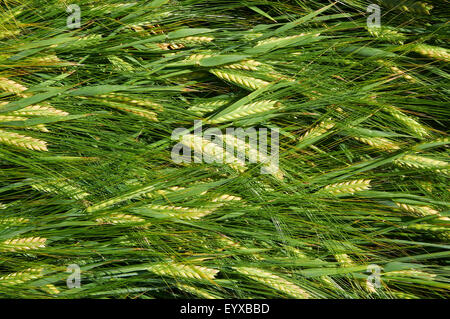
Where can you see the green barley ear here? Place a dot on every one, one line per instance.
(23, 141)
(240, 79)
(433, 52)
(19, 244)
(273, 281)
(178, 270)
(247, 110)
(346, 188)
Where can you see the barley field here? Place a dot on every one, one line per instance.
(224, 149)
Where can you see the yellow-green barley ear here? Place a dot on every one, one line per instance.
(380, 143)
(433, 52)
(273, 281)
(282, 40)
(408, 121)
(418, 7)
(346, 188)
(13, 87)
(19, 244)
(119, 218)
(440, 231)
(178, 212)
(132, 100)
(247, 65)
(39, 110)
(23, 141)
(246, 110)
(60, 186)
(422, 162)
(420, 211)
(317, 131)
(13, 221)
(212, 150)
(119, 64)
(177, 270)
(207, 107)
(240, 79)
(387, 34)
(150, 115)
(20, 277)
(197, 292)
